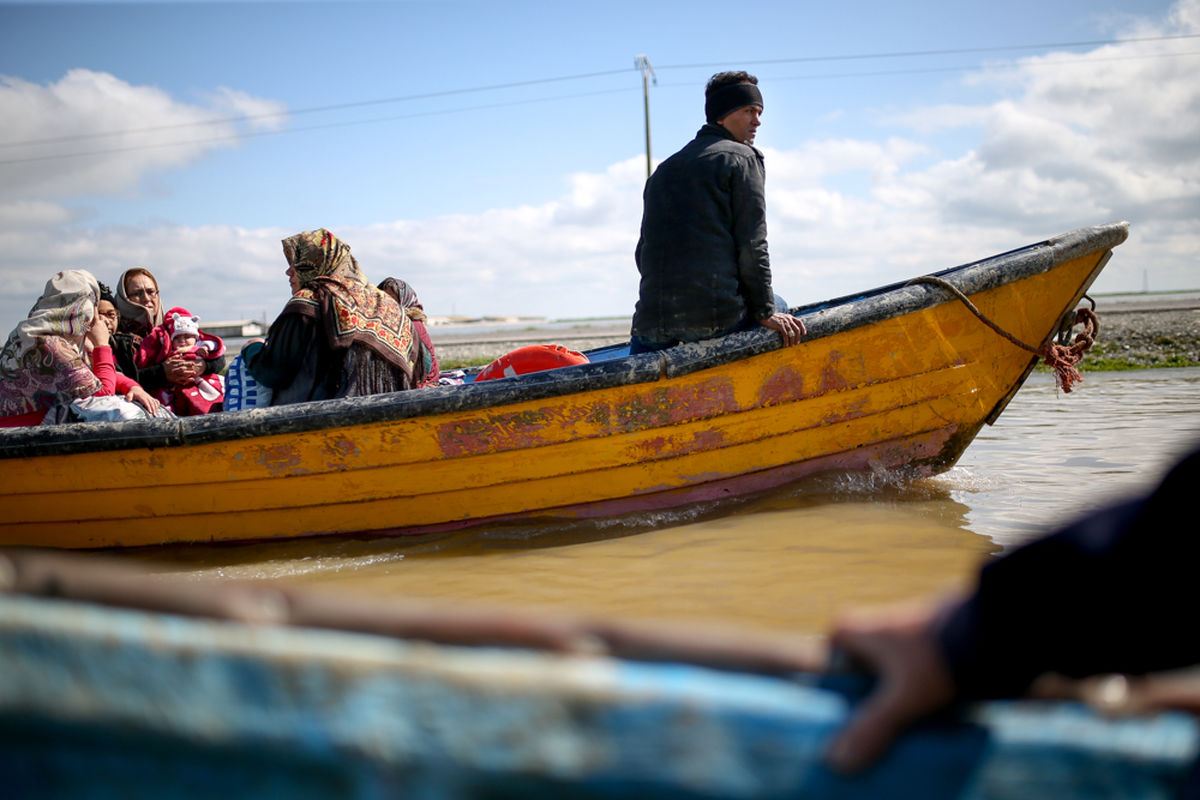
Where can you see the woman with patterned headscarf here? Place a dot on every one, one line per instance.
(339, 336)
(46, 358)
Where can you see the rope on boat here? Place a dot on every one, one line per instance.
(1059, 357)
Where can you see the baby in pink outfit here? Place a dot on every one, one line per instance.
(180, 334)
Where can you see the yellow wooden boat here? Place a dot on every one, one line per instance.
(897, 378)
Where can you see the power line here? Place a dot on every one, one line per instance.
(317, 109)
(964, 68)
(946, 52)
(535, 82)
(304, 128)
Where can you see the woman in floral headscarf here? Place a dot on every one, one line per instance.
(338, 336)
(45, 360)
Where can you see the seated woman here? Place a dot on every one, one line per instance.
(124, 355)
(338, 336)
(141, 309)
(45, 360)
(406, 296)
(180, 336)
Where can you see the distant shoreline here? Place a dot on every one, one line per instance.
(1145, 336)
(1137, 331)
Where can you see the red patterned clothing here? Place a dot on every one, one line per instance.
(426, 366)
(102, 373)
(359, 313)
(42, 362)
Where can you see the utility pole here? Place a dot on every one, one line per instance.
(642, 63)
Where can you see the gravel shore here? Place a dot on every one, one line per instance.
(459, 349)
(1144, 335)
(1134, 334)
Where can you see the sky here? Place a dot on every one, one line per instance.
(493, 153)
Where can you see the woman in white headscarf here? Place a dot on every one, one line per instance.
(46, 358)
(138, 301)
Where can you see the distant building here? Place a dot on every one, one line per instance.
(237, 329)
(497, 320)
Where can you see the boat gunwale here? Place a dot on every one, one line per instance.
(821, 319)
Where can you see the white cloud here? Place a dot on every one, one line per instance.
(32, 214)
(1054, 142)
(1113, 132)
(930, 119)
(92, 133)
(573, 253)
(258, 113)
(551, 260)
(1073, 139)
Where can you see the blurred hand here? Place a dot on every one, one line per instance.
(788, 326)
(914, 681)
(143, 398)
(97, 335)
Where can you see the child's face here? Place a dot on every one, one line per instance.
(183, 341)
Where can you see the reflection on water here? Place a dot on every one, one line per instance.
(1051, 456)
(790, 560)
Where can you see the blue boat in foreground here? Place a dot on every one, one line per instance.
(115, 683)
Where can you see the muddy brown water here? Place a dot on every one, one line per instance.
(784, 562)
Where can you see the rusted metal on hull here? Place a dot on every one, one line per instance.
(520, 430)
(784, 385)
(899, 365)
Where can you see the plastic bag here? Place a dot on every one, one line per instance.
(109, 408)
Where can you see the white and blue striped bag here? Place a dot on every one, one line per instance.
(242, 391)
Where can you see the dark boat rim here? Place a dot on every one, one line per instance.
(822, 319)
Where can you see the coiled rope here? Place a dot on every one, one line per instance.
(1059, 357)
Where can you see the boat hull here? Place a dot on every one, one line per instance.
(899, 379)
(102, 701)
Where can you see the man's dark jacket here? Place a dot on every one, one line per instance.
(702, 253)
(1112, 593)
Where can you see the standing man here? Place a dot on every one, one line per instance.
(702, 253)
